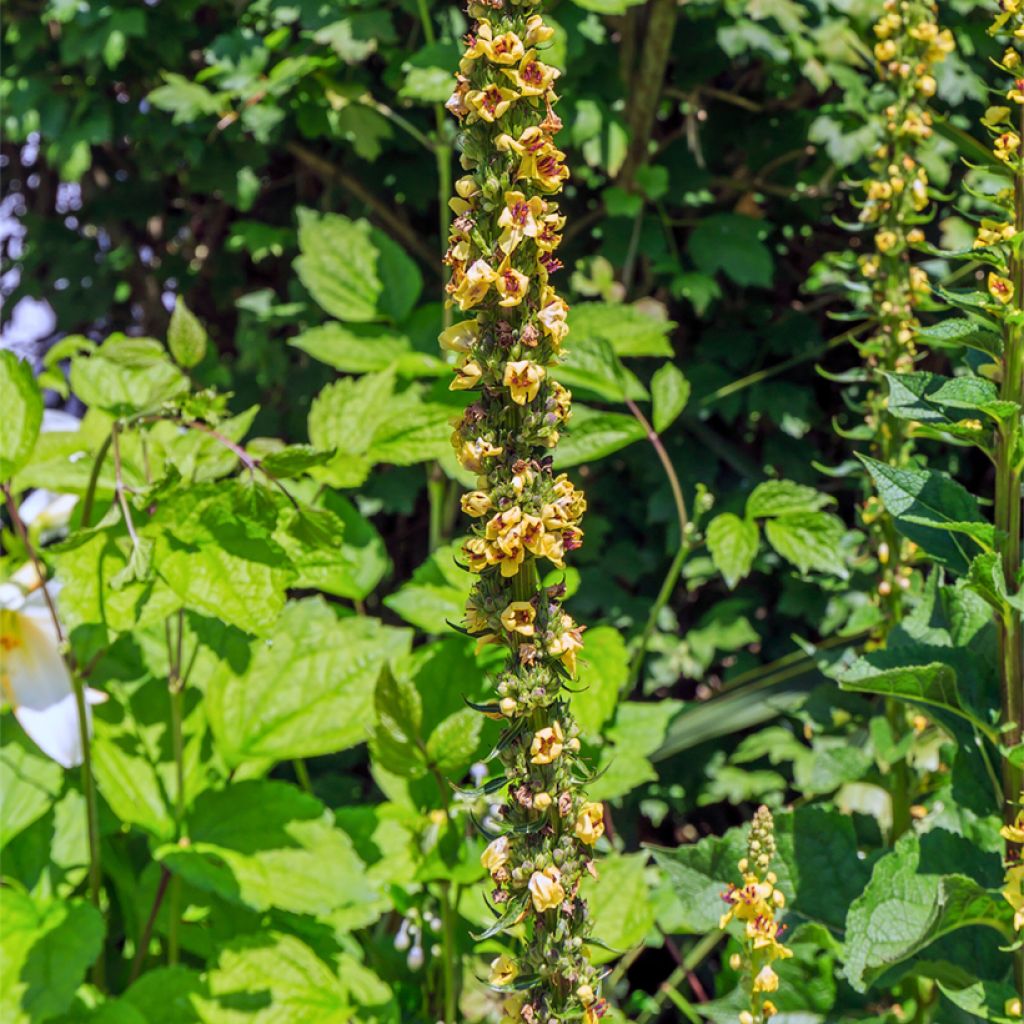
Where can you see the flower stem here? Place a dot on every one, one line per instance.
(78, 685)
(685, 544)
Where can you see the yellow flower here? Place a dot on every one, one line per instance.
(1014, 833)
(766, 981)
(548, 237)
(532, 77)
(1013, 1007)
(523, 378)
(590, 823)
(885, 51)
(1017, 92)
(537, 31)
(547, 744)
(511, 1010)
(511, 284)
(567, 643)
(519, 617)
(1011, 59)
(504, 970)
(886, 240)
(472, 453)
(467, 188)
(585, 994)
(542, 801)
(553, 316)
(495, 855)
(1000, 288)
(502, 522)
(491, 103)
(460, 337)
(769, 1009)
(475, 552)
(467, 376)
(519, 219)
(505, 49)
(476, 503)
(1006, 145)
(474, 285)
(546, 889)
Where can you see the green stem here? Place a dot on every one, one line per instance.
(176, 689)
(437, 494)
(695, 956)
(94, 478)
(78, 685)
(302, 774)
(668, 585)
(449, 954)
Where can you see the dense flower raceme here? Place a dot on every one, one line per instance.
(526, 518)
(908, 45)
(754, 904)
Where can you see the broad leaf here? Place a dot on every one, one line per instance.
(670, 391)
(810, 540)
(733, 543)
(592, 435)
(22, 406)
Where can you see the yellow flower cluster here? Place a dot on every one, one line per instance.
(1013, 890)
(908, 45)
(505, 233)
(755, 904)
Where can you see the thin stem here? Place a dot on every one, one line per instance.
(695, 956)
(685, 544)
(302, 774)
(773, 371)
(94, 479)
(78, 686)
(147, 929)
(176, 689)
(119, 488)
(437, 496)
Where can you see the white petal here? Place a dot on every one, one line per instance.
(47, 510)
(38, 685)
(58, 420)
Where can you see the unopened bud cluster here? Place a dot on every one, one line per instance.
(525, 517)
(754, 904)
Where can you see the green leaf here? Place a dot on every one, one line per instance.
(355, 272)
(810, 540)
(29, 782)
(783, 497)
(269, 978)
(47, 947)
(306, 690)
(294, 460)
(451, 746)
(620, 904)
(353, 348)
(637, 731)
(926, 504)
(960, 332)
(986, 1000)
(186, 336)
(126, 376)
(629, 330)
(903, 911)
(733, 543)
(670, 391)
(266, 844)
(23, 413)
(165, 995)
(594, 434)
(931, 398)
(185, 99)
(591, 364)
(732, 243)
(603, 670)
(436, 594)
(363, 555)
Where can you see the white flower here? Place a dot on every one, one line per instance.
(34, 677)
(50, 510)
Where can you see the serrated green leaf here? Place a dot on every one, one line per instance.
(353, 348)
(956, 332)
(23, 413)
(783, 497)
(902, 911)
(436, 594)
(126, 376)
(305, 690)
(620, 904)
(733, 543)
(603, 671)
(810, 540)
(924, 504)
(47, 947)
(629, 330)
(931, 398)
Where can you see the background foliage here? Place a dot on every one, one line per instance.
(284, 168)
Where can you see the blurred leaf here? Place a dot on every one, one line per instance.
(733, 543)
(23, 413)
(670, 391)
(732, 244)
(186, 336)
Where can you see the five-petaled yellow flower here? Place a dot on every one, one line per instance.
(519, 617)
(590, 823)
(546, 889)
(547, 744)
(523, 378)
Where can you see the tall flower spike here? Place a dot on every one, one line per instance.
(908, 43)
(501, 253)
(754, 904)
